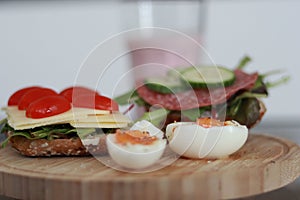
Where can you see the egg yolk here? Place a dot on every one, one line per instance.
(207, 122)
(134, 137)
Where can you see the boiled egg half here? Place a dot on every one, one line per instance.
(206, 138)
(137, 148)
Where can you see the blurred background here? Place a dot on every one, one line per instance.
(46, 42)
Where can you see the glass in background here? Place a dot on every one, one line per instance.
(163, 35)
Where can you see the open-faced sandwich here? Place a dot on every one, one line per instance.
(186, 94)
(43, 122)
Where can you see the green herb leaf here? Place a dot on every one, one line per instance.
(246, 112)
(247, 95)
(127, 98)
(155, 117)
(245, 108)
(84, 132)
(48, 132)
(3, 123)
(269, 73)
(194, 114)
(244, 61)
(280, 81)
(24, 134)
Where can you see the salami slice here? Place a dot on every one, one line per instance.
(199, 97)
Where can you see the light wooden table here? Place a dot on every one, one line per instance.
(289, 129)
(290, 191)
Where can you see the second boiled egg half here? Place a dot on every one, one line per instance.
(206, 138)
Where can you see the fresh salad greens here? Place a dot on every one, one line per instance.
(129, 98)
(50, 132)
(193, 114)
(155, 116)
(243, 62)
(243, 107)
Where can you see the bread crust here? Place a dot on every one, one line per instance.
(57, 147)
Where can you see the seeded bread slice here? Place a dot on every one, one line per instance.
(56, 147)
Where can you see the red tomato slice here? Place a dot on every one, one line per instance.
(33, 95)
(48, 106)
(95, 102)
(15, 97)
(72, 92)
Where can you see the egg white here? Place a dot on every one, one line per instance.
(191, 140)
(137, 156)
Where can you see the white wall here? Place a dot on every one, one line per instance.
(44, 43)
(268, 31)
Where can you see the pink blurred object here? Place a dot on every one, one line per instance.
(165, 34)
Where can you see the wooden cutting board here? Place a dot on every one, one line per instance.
(265, 163)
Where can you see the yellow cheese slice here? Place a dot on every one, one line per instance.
(114, 117)
(18, 120)
(99, 124)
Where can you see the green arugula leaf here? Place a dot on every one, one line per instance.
(84, 132)
(155, 116)
(48, 132)
(4, 143)
(194, 114)
(245, 108)
(247, 111)
(129, 98)
(246, 95)
(243, 62)
(3, 123)
(280, 81)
